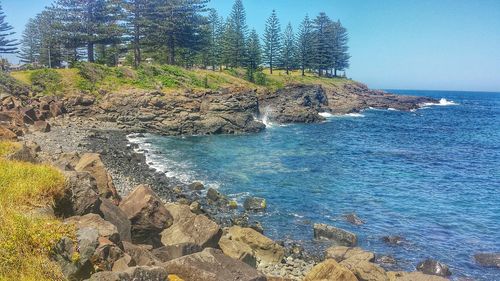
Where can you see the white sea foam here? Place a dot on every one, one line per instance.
(265, 117)
(161, 162)
(392, 109)
(326, 114)
(357, 115)
(442, 102)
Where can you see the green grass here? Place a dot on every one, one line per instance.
(26, 241)
(97, 79)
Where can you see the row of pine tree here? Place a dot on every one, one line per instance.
(179, 32)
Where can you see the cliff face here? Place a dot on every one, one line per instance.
(229, 111)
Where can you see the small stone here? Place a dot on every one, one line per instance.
(255, 204)
(196, 186)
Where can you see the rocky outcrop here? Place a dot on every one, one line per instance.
(330, 270)
(338, 236)
(245, 243)
(189, 113)
(354, 97)
(190, 228)
(147, 215)
(111, 213)
(81, 196)
(212, 265)
(294, 104)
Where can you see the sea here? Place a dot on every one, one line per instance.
(431, 176)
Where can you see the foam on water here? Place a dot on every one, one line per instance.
(442, 102)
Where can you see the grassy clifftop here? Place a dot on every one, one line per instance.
(97, 79)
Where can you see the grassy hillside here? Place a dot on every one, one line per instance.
(26, 240)
(97, 79)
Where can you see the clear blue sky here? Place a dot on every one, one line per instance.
(395, 44)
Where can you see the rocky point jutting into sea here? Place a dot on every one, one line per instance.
(135, 223)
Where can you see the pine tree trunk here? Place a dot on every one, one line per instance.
(335, 72)
(171, 43)
(90, 51)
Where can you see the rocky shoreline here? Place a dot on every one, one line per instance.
(146, 224)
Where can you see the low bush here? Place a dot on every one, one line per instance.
(46, 81)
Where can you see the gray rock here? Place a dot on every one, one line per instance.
(353, 219)
(139, 273)
(338, 236)
(214, 195)
(105, 229)
(434, 267)
(81, 196)
(110, 212)
(488, 259)
(65, 251)
(393, 240)
(255, 204)
(196, 186)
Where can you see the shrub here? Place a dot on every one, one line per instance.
(46, 81)
(260, 78)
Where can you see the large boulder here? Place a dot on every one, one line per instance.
(81, 196)
(41, 126)
(340, 253)
(190, 228)
(434, 267)
(413, 276)
(110, 212)
(138, 273)
(238, 250)
(105, 229)
(249, 241)
(365, 271)
(212, 265)
(488, 259)
(330, 270)
(147, 215)
(140, 254)
(106, 255)
(24, 154)
(7, 134)
(338, 236)
(167, 253)
(92, 163)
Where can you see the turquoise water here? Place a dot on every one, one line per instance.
(431, 176)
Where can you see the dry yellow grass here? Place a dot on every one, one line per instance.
(7, 147)
(26, 240)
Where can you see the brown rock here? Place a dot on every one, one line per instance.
(340, 253)
(106, 254)
(42, 126)
(190, 228)
(92, 163)
(147, 215)
(364, 270)
(140, 254)
(330, 270)
(238, 250)
(167, 253)
(7, 134)
(265, 250)
(123, 263)
(212, 265)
